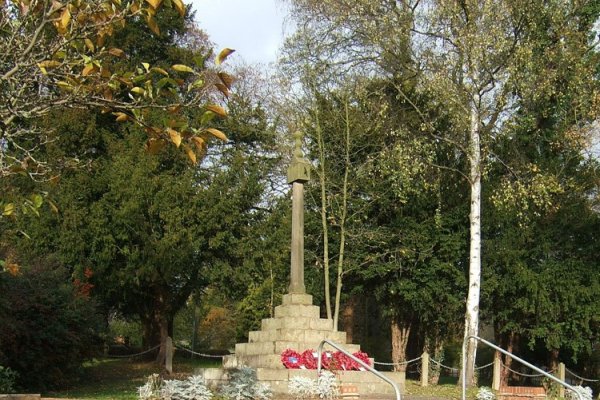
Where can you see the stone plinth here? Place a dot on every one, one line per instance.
(277, 379)
(295, 325)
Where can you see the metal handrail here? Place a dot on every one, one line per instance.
(493, 346)
(359, 361)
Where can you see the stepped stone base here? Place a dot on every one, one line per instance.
(296, 325)
(278, 379)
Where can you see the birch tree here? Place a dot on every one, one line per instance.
(471, 58)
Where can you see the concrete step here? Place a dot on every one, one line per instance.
(296, 335)
(278, 378)
(303, 299)
(297, 310)
(296, 322)
(279, 346)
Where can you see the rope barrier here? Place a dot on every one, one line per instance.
(201, 354)
(526, 375)
(135, 355)
(401, 363)
(580, 378)
(484, 366)
(443, 366)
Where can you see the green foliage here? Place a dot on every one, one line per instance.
(129, 331)
(48, 326)
(79, 50)
(8, 380)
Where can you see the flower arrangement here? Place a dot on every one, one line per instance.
(364, 357)
(291, 359)
(309, 359)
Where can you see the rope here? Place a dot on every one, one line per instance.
(580, 378)
(526, 375)
(485, 366)
(400, 363)
(201, 354)
(135, 355)
(442, 365)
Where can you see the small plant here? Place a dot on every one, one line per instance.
(485, 393)
(327, 386)
(585, 393)
(302, 388)
(192, 388)
(244, 385)
(151, 389)
(8, 379)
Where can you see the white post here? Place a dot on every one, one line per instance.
(424, 369)
(497, 370)
(560, 374)
(169, 356)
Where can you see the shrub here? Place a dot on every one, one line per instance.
(244, 385)
(302, 388)
(585, 392)
(193, 388)
(8, 379)
(327, 385)
(485, 393)
(47, 327)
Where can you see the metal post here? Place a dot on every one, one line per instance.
(501, 350)
(360, 362)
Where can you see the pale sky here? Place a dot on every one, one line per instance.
(254, 28)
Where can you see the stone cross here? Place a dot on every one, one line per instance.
(298, 174)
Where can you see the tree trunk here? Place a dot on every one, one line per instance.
(340, 267)
(510, 346)
(150, 332)
(472, 311)
(400, 333)
(349, 319)
(163, 324)
(324, 224)
(553, 360)
(438, 355)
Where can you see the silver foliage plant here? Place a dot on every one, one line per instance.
(244, 385)
(485, 393)
(302, 388)
(585, 392)
(193, 388)
(325, 387)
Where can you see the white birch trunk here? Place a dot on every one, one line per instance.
(472, 311)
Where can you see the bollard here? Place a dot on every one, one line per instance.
(560, 374)
(425, 369)
(169, 356)
(497, 370)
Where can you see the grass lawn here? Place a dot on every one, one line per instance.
(447, 389)
(120, 378)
